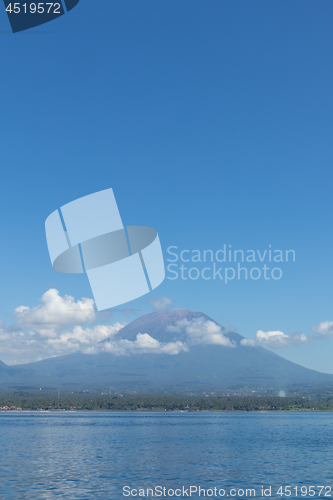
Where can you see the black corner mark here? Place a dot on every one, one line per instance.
(28, 14)
(70, 4)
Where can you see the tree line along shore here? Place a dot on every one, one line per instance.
(92, 402)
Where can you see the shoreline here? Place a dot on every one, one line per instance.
(163, 411)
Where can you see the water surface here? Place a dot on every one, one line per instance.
(94, 455)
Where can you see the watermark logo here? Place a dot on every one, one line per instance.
(24, 15)
(122, 263)
(227, 264)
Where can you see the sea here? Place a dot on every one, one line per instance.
(108, 455)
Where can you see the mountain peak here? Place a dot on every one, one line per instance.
(159, 325)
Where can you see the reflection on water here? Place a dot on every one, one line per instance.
(93, 455)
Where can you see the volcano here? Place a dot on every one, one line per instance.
(197, 366)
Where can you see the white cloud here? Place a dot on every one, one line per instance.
(4, 335)
(201, 331)
(144, 343)
(161, 303)
(277, 338)
(55, 327)
(85, 336)
(27, 346)
(54, 314)
(324, 328)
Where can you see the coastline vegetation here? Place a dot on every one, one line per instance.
(21, 400)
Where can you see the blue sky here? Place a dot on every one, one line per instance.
(211, 121)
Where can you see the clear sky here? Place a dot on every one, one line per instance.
(211, 121)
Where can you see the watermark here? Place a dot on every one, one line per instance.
(188, 491)
(233, 492)
(28, 14)
(122, 263)
(227, 264)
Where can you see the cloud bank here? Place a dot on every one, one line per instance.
(55, 313)
(57, 326)
(324, 329)
(279, 339)
(61, 325)
(161, 303)
(144, 343)
(201, 331)
(276, 339)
